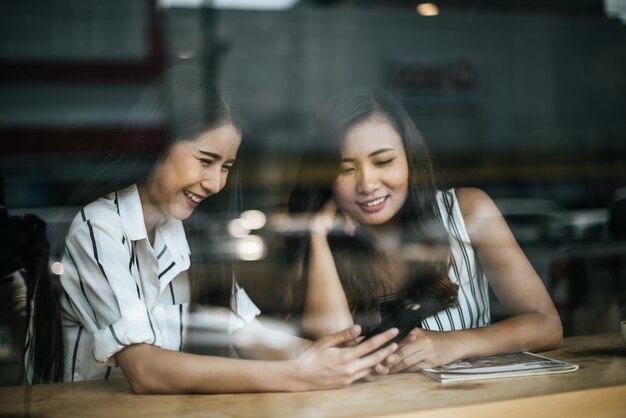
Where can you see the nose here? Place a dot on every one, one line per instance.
(367, 181)
(211, 182)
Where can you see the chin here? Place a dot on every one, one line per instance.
(376, 219)
(180, 214)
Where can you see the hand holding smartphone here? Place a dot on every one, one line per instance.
(406, 314)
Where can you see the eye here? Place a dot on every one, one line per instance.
(384, 163)
(227, 168)
(205, 162)
(346, 170)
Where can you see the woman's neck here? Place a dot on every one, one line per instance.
(152, 216)
(388, 239)
(388, 236)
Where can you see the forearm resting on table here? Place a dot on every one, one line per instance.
(525, 332)
(257, 341)
(153, 370)
(325, 308)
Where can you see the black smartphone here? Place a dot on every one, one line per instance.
(406, 314)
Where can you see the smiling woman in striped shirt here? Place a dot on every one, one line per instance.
(125, 288)
(403, 238)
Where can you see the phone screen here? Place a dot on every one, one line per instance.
(406, 314)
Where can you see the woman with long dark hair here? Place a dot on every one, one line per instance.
(120, 305)
(402, 237)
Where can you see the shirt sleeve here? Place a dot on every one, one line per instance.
(245, 311)
(102, 291)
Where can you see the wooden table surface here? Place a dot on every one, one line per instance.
(597, 389)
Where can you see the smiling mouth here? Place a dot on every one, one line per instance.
(374, 202)
(193, 197)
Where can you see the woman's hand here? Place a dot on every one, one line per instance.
(422, 349)
(326, 365)
(326, 219)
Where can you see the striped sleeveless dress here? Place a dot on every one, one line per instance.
(472, 310)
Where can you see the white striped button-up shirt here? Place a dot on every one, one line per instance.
(121, 290)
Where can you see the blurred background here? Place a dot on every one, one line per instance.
(525, 99)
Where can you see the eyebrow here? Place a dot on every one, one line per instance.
(372, 154)
(215, 156)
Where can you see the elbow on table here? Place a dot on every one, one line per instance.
(140, 383)
(314, 332)
(143, 386)
(553, 343)
(316, 327)
(138, 388)
(136, 364)
(553, 337)
(544, 333)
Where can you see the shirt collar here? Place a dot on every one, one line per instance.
(131, 213)
(171, 231)
(173, 235)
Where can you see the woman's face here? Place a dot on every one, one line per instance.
(373, 181)
(191, 171)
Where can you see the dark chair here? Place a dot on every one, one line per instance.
(24, 251)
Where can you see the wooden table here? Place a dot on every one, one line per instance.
(597, 389)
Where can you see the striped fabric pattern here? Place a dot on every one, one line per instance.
(473, 309)
(119, 289)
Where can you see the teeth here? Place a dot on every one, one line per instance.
(375, 202)
(192, 196)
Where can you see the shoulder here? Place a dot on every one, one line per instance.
(102, 208)
(100, 214)
(473, 201)
(478, 209)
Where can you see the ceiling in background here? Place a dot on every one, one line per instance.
(559, 7)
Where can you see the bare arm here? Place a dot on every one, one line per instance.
(325, 309)
(258, 341)
(534, 323)
(323, 365)
(153, 370)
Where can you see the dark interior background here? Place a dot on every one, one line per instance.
(525, 99)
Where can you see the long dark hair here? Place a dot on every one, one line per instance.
(130, 159)
(363, 268)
